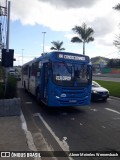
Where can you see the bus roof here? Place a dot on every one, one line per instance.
(56, 55)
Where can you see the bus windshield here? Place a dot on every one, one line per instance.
(68, 74)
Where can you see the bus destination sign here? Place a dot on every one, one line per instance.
(71, 57)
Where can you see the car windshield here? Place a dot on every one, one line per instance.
(68, 74)
(95, 84)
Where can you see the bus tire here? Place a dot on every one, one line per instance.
(25, 86)
(38, 96)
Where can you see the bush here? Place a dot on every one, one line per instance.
(1, 90)
(2, 73)
(11, 88)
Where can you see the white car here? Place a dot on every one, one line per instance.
(99, 92)
(12, 71)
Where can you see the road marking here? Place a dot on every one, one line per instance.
(109, 99)
(28, 102)
(72, 119)
(103, 127)
(64, 114)
(112, 110)
(63, 144)
(92, 109)
(29, 137)
(116, 118)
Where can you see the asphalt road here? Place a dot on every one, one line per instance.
(92, 128)
(109, 78)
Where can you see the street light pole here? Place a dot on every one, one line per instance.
(22, 56)
(8, 27)
(43, 40)
(22, 67)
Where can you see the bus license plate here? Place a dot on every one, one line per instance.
(72, 101)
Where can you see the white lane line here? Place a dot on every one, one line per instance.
(29, 137)
(103, 127)
(112, 110)
(63, 144)
(116, 118)
(72, 119)
(28, 102)
(92, 109)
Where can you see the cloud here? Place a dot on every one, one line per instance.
(102, 26)
(32, 12)
(70, 3)
(63, 15)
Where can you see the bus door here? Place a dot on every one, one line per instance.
(45, 86)
(29, 73)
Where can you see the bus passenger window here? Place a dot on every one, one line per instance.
(38, 73)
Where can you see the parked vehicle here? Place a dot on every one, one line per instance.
(99, 92)
(17, 76)
(12, 71)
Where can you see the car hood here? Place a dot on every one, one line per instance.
(99, 89)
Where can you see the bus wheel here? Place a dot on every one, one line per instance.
(25, 86)
(38, 97)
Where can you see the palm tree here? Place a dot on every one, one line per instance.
(117, 7)
(117, 41)
(84, 35)
(57, 45)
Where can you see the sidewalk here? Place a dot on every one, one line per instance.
(12, 136)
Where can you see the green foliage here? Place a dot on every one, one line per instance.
(99, 59)
(1, 90)
(57, 45)
(114, 63)
(11, 88)
(117, 7)
(84, 35)
(2, 72)
(113, 87)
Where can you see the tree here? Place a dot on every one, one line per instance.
(84, 35)
(117, 41)
(57, 45)
(117, 7)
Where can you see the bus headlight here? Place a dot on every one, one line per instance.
(63, 95)
(57, 97)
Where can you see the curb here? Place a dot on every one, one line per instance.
(10, 107)
(115, 98)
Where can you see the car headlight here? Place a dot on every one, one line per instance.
(94, 92)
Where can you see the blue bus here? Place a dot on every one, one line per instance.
(59, 79)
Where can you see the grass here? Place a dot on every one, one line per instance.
(113, 87)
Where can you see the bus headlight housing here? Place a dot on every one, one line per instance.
(63, 95)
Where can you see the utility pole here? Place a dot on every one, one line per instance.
(3, 15)
(22, 56)
(43, 40)
(7, 44)
(8, 27)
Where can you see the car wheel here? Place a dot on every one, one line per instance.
(104, 99)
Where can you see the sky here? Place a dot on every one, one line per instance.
(30, 18)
